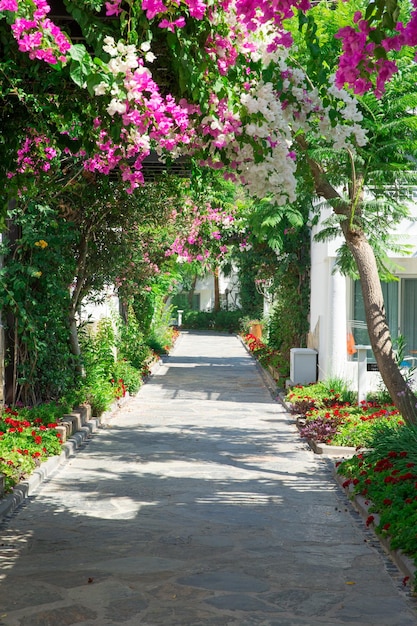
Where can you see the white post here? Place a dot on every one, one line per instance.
(180, 312)
(336, 355)
(362, 372)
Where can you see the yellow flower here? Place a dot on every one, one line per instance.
(41, 244)
(37, 274)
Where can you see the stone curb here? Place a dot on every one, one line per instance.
(318, 448)
(26, 488)
(268, 379)
(75, 428)
(362, 506)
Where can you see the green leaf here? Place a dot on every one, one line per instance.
(77, 74)
(77, 52)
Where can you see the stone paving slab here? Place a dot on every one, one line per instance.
(197, 504)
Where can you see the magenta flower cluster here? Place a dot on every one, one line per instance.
(359, 62)
(35, 33)
(202, 241)
(35, 154)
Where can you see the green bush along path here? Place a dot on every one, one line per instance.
(197, 504)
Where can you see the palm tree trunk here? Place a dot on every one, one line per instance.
(190, 294)
(379, 333)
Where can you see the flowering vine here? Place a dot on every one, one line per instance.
(207, 237)
(246, 127)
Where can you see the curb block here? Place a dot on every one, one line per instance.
(27, 487)
(268, 379)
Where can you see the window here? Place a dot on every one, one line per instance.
(400, 300)
(409, 312)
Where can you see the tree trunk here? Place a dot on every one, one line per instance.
(379, 333)
(191, 291)
(74, 304)
(216, 290)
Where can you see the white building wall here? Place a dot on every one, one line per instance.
(205, 287)
(106, 307)
(331, 305)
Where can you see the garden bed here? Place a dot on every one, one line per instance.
(366, 509)
(34, 441)
(332, 422)
(378, 473)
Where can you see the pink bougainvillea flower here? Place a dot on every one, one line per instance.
(153, 7)
(8, 5)
(171, 26)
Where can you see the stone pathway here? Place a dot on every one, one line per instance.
(198, 504)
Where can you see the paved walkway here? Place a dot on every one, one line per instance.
(197, 505)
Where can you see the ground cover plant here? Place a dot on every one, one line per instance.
(386, 476)
(329, 413)
(27, 437)
(267, 356)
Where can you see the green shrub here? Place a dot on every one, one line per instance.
(130, 376)
(230, 321)
(100, 395)
(131, 344)
(322, 393)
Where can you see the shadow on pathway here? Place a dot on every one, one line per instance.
(197, 505)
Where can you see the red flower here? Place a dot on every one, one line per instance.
(387, 502)
(370, 520)
(386, 526)
(407, 476)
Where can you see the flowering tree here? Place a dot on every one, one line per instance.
(217, 80)
(238, 100)
(210, 227)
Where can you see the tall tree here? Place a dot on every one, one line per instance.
(367, 189)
